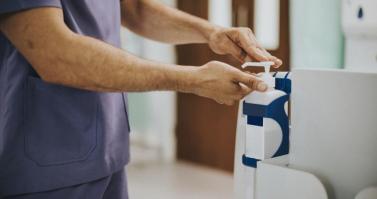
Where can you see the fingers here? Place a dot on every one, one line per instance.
(251, 81)
(249, 43)
(246, 40)
(252, 50)
(274, 59)
(236, 51)
(242, 91)
(226, 84)
(278, 62)
(248, 59)
(241, 44)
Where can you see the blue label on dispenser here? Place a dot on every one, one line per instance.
(250, 162)
(256, 121)
(283, 83)
(275, 110)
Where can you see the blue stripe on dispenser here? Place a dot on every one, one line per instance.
(250, 162)
(254, 109)
(274, 110)
(254, 120)
(283, 84)
(286, 75)
(288, 86)
(281, 118)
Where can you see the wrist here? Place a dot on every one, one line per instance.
(209, 31)
(186, 79)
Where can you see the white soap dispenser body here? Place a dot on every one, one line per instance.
(262, 132)
(262, 140)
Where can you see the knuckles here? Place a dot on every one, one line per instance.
(230, 103)
(212, 63)
(247, 30)
(242, 30)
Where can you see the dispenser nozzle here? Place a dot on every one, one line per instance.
(267, 65)
(266, 77)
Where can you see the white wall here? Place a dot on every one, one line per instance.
(316, 34)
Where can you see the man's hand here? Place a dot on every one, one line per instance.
(224, 83)
(86, 63)
(156, 21)
(240, 43)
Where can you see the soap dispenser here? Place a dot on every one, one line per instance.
(262, 128)
(265, 119)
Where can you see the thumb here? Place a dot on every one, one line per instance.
(245, 90)
(251, 81)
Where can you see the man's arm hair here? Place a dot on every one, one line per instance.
(64, 57)
(157, 21)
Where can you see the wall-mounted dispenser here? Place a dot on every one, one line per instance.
(264, 127)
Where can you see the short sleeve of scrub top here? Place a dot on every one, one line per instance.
(78, 136)
(8, 6)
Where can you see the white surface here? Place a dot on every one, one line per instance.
(254, 142)
(267, 22)
(275, 181)
(263, 98)
(334, 128)
(368, 193)
(283, 74)
(177, 181)
(263, 142)
(262, 145)
(361, 54)
(244, 181)
(220, 12)
(273, 137)
(360, 33)
(286, 107)
(356, 27)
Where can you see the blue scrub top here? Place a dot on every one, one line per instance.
(52, 136)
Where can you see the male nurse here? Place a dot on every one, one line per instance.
(63, 77)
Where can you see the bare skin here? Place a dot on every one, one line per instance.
(63, 57)
(162, 23)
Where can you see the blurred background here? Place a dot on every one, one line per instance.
(182, 145)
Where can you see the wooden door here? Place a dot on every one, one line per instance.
(206, 130)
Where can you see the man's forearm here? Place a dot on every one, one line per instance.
(94, 65)
(156, 21)
(63, 57)
(162, 23)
